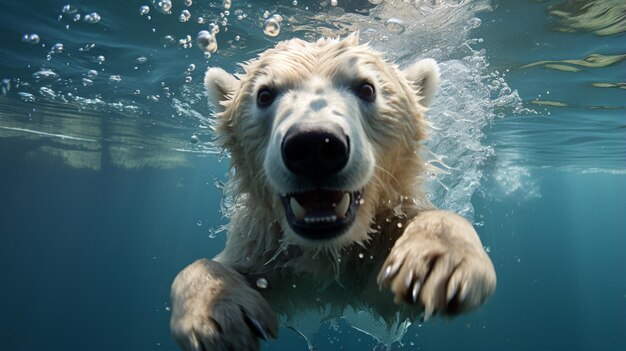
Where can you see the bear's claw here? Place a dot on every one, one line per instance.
(255, 326)
(438, 266)
(211, 304)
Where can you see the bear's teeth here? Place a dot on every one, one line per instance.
(327, 219)
(342, 206)
(297, 209)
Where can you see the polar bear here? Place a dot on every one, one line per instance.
(328, 211)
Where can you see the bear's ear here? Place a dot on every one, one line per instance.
(220, 86)
(423, 75)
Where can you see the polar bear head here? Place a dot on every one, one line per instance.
(323, 136)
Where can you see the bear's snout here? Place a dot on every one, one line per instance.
(315, 150)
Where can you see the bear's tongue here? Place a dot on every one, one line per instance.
(320, 205)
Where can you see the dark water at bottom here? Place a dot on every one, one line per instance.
(87, 259)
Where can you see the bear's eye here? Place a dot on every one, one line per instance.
(366, 91)
(265, 97)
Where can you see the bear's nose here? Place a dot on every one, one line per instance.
(315, 150)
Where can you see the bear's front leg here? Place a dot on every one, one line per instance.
(214, 308)
(439, 265)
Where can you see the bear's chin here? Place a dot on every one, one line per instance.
(319, 215)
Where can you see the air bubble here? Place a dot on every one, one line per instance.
(206, 41)
(227, 4)
(144, 10)
(188, 79)
(194, 140)
(100, 59)
(361, 255)
(184, 16)
(5, 86)
(115, 78)
(32, 39)
(87, 82)
(87, 47)
(375, 2)
(168, 40)
(395, 25)
(333, 2)
(92, 74)
(294, 2)
(141, 60)
(261, 283)
(271, 27)
(152, 98)
(68, 9)
(185, 42)
(57, 48)
(214, 28)
(45, 73)
(26, 97)
(164, 6)
(191, 68)
(188, 3)
(92, 18)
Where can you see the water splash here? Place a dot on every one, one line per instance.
(377, 328)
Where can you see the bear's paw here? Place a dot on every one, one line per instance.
(215, 309)
(438, 266)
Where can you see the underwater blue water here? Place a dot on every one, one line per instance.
(108, 187)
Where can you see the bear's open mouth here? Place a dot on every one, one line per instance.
(321, 214)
